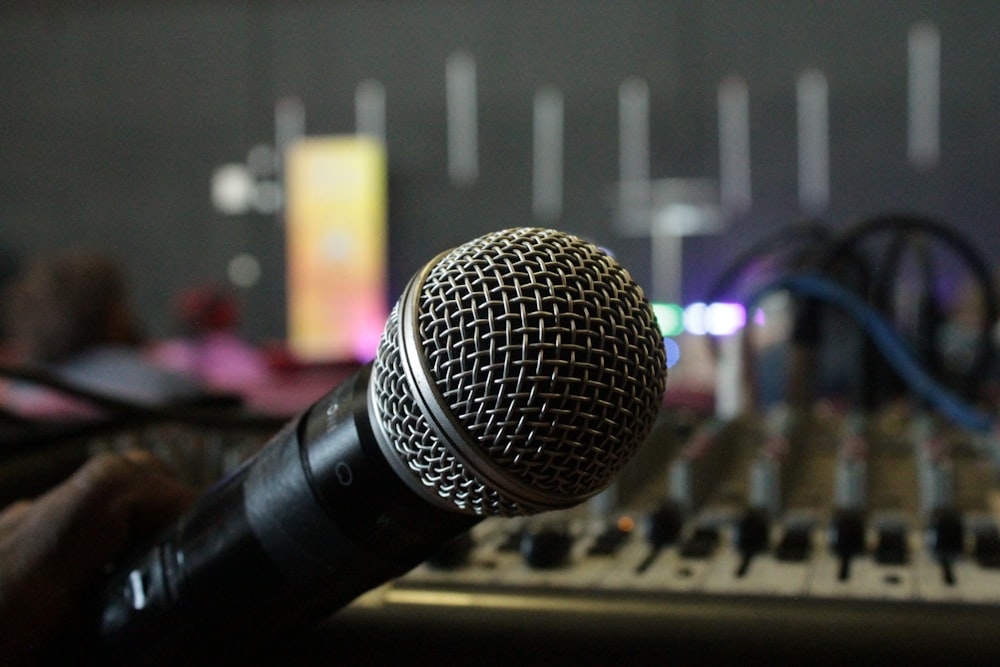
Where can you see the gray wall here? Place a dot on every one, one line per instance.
(114, 116)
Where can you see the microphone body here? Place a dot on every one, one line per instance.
(317, 518)
(517, 374)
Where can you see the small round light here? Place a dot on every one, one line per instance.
(673, 351)
(244, 270)
(725, 319)
(694, 319)
(670, 317)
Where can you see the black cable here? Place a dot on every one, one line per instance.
(804, 238)
(796, 245)
(905, 227)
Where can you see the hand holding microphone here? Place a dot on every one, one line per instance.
(517, 374)
(52, 547)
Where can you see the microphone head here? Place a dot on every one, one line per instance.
(517, 374)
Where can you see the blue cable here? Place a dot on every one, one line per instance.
(889, 344)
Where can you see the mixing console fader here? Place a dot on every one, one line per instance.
(820, 537)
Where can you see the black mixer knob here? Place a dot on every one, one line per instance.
(664, 524)
(795, 544)
(847, 539)
(892, 548)
(452, 554)
(663, 528)
(752, 537)
(546, 547)
(987, 547)
(946, 532)
(753, 532)
(847, 533)
(611, 538)
(946, 539)
(701, 543)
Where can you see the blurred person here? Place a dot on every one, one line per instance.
(70, 316)
(55, 549)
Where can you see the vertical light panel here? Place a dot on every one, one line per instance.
(633, 141)
(667, 266)
(547, 172)
(289, 125)
(734, 146)
(336, 244)
(633, 130)
(813, 141)
(369, 109)
(924, 87)
(463, 133)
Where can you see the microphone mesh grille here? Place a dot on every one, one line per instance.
(545, 353)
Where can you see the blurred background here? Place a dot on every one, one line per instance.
(120, 120)
(276, 171)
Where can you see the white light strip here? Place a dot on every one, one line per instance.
(734, 145)
(814, 142)
(289, 124)
(667, 267)
(633, 154)
(463, 146)
(924, 95)
(547, 181)
(633, 131)
(369, 109)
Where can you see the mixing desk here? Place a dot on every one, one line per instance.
(819, 538)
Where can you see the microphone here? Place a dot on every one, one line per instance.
(516, 374)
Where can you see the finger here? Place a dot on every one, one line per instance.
(109, 471)
(104, 507)
(135, 479)
(145, 459)
(13, 514)
(53, 548)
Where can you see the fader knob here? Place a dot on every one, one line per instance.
(987, 547)
(663, 528)
(453, 553)
(795, 544)
(752, 532)
(891, 548)
(847, 539)
(847, 533)
(664, 524)
(752, 537)
(546, 547)
(946, 533)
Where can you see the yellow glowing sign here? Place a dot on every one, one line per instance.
(336, 247)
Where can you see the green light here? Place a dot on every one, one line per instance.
(671, 318)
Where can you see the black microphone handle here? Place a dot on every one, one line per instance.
(317, 518)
